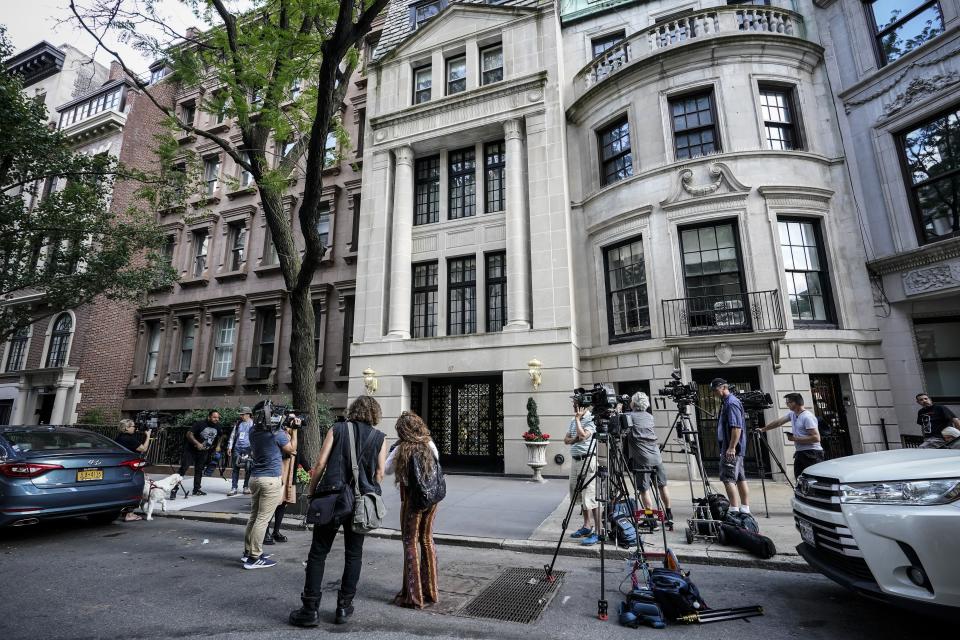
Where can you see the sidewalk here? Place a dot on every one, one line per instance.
(518, 515)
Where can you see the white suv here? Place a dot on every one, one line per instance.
(886, 525)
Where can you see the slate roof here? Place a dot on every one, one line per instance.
(397, 27)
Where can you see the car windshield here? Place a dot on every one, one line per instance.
(57, 440)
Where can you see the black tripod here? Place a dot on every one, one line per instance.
(614, 482)
(761, 444)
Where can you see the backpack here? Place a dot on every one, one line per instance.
(624, 531)
(742, 521)
(675, 593)
(425, 489)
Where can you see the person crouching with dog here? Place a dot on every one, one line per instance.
(645, 454)
(267, 446)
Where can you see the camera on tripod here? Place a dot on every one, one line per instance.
(682, 393)
(753, 401)
(604, 401)
(151, 420)
(273, 417)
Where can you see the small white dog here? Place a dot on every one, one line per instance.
(156, 491)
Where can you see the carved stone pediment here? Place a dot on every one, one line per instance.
(719, 183)
(919, 88)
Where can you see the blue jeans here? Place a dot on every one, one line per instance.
(237, 465)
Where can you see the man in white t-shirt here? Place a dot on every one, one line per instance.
(804, 433)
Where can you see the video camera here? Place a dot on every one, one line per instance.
(152, 420)
(604, 401)
(754, 400)
(683, 394)
(273, 417)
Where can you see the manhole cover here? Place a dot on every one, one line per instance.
(517, 595)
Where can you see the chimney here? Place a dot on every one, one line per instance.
(116, 71)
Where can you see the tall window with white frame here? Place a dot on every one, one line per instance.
(270, 256)
(330, 150)
(317, 333)
(59, 350)
(211, 175)
(805, 264)
(323, 224)
(616, 161)
(188, 332)
(494, 161)
(425, 290)
(462, 184)
(201, 247)
(153, 351)
(167, 251)
(238, 245)
(491, 64)
(427, 190)
(266, 336)
(225, 335)
(939, 351)
(456, 75)
(17, 350)
(778, 109)
(246, 178)
(188, 113)
(461, 295)
(900, 26)
(628, 308)
(694, 122)
(496, 282)
(422, 84)
(930, 154)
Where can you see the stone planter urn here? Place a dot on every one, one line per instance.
(537, 458)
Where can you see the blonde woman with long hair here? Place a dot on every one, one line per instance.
(416, 526)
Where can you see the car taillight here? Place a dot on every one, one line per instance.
(136, 463)
(26, 469)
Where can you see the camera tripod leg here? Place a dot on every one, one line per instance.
(548, 568)
(758, 439)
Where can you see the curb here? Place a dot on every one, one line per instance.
(782, 562)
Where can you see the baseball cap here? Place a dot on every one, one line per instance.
(716, 383)
(246, 410)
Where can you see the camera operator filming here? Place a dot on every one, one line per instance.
(580, 437)
(803, 433)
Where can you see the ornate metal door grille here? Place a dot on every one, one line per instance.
(828, 405)
(708, 408)
(466, 420)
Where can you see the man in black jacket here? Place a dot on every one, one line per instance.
(201, 441)
(934, 418)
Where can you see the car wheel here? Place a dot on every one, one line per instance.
(104, 518)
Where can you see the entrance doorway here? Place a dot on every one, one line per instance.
(45, 407)
(708, 408)
(466, 422)
(828, 406)
(6, 408)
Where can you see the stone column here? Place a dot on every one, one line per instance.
(400, 274)
(59, 405)
(518, 231)
(20, 404)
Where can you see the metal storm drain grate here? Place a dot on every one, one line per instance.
(518, 595)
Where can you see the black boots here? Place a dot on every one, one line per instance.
(344, 609)
(267, 538)
(309, 614)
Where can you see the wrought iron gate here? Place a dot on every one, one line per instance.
(828, 405)
(466, 420)
(708, 408)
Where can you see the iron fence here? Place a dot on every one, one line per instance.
(752, 311)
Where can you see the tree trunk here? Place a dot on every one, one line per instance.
(303, 374)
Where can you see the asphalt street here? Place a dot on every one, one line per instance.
(174, 578)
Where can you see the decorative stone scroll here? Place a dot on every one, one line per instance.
(933, 278)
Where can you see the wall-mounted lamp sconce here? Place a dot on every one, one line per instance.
(536, 375)
(370, 381)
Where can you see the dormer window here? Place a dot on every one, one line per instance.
(424, 11)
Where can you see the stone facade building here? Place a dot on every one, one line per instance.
(218, 338)
(895, 71)
(614, 192)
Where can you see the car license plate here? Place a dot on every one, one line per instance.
(85, 475)
(806, 532)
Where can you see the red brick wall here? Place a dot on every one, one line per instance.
(109, 328)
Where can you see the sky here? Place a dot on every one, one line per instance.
(30, 21)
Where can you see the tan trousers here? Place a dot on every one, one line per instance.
(267, 494)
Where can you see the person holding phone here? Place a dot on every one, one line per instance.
(804, 433)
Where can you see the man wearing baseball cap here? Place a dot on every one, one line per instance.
(238, 451)
(732, 436)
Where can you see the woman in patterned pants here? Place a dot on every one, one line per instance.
(419, 554)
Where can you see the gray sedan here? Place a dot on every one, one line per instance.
(58, 472)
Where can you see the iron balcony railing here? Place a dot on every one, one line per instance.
(753, 311)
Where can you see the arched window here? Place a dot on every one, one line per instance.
(60, 341)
